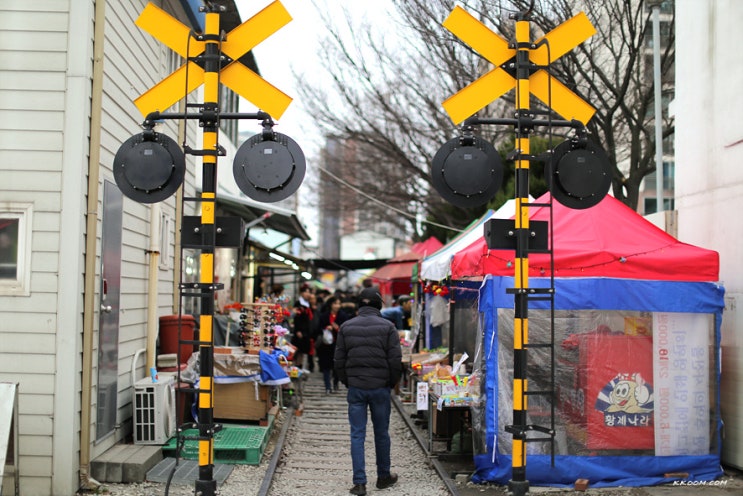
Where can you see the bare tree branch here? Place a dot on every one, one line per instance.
(386, 85)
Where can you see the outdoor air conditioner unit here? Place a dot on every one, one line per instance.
(154, 410)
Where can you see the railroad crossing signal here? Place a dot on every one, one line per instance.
(149, 167)
(246, 83)
(497, 82)
(579, 172)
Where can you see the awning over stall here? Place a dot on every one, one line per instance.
(398, 270)
(281, 219)
(437, 266)
(263, 254)
(345, 264)
(395, 278)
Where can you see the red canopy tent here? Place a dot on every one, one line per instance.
(395, 278)
(607, 240)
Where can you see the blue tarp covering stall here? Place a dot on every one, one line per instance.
(696, 306)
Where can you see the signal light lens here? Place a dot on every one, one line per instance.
(467, 175)
(269, 169)
(579, 174)
(149, 167)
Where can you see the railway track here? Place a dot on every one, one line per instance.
(312, 455)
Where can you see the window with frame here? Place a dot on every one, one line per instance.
(15, 249)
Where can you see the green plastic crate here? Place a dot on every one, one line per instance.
(239, 445)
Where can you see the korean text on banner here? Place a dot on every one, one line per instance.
(681, 376)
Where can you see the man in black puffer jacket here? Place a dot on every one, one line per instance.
(368, 360)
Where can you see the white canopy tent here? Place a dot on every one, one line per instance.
(437, 266)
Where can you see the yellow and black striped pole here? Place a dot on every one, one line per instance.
(206, 485)
(519, 485)
(520, 64)
(214, 54)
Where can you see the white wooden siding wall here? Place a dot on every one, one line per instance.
(33, 40)
(134, 62)
(41, 132)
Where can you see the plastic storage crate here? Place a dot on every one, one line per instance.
(239, 445)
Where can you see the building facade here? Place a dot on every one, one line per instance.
(86, 272)
(648, 202)
(709, 179)
(352, 226)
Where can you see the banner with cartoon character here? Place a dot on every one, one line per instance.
(618, 370)
(681, 363)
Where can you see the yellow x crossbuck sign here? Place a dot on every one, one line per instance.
(176, 36)
(497, 82)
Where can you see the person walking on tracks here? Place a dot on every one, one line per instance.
(302, 323)
(368, 360)
(331, 319)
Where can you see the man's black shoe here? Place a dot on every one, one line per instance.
(385, 482)
(359, 489)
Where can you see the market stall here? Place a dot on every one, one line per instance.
(636, 338)
(245, 376)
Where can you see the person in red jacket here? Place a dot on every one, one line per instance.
(302, 325)
(331, 318)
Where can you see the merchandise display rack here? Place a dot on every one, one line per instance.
(257, 321)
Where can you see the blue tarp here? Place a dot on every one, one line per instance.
(599, 294)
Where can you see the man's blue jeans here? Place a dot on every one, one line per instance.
(378, 402)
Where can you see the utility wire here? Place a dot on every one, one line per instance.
(380, 202)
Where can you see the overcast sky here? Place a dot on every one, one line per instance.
(295, 48)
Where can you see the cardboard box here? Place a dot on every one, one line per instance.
(447, 387)
(238, 401)
(236, 364)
